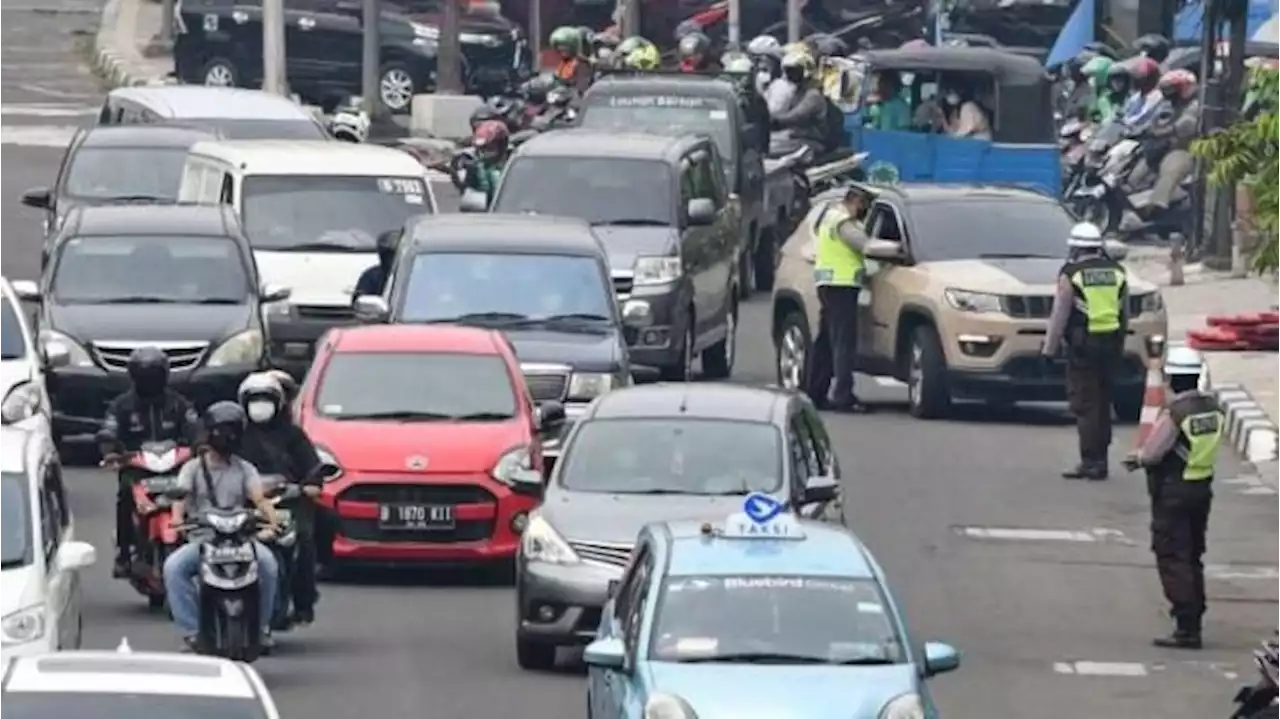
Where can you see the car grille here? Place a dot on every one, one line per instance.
(183, 356)
(1028, 307)
(367, 530)
(546, 386)
(418, 494)
(622, 285)
(614, 555)
(325, 312)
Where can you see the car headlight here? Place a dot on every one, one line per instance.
(967, 301)
(329, 467)
(516, 467)
(907, 706)
(586, 386)
(227, 524)
(244, 348)
(280, 309)
(78, 355)
(1150, 302)
(22, 402)
(24, 625)
(668, 706)
(656, 270)
(542, 543)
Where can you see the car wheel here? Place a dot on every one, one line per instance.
(220, 72)
(682, 371)
(535, 656)
(793, 346)
(396, 87)
(927, 393)
(717, 360)
(1128, 404)
(765, 261)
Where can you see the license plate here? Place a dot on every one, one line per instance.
(416, 516)
(229, 555)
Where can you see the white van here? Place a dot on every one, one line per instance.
(313, 211)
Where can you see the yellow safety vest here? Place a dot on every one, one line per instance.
(1099, 286)
(1201, 423)
(835, 262)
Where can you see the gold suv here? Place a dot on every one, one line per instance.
(960, 285)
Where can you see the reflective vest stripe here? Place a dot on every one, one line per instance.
(1203, 433)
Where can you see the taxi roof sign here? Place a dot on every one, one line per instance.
(762, 517)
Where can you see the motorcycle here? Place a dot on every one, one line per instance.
(1073, 143)
(152, 473)
(284, 545)
(1259, 701)
(1098, 192)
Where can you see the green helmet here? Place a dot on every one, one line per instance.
(567, 39)
(645, 57)
(1098, 68)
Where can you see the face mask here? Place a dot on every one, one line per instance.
(261, 410)
(953, 98)
(224, 444)
(763, 78)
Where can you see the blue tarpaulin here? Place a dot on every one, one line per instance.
(1075, 34)
(1188, 26)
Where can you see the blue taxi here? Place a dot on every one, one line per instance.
(760, 615)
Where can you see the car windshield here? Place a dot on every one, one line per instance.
(13, 345)
(338, 213)
(599, 190)
(108, 173)
(761, 619)
(242, 129)
(674, 456)
(664, 115)
(100, 705)
(150, 269)
(972, 229)
(15, 531)
(510, 288)
(416, 385)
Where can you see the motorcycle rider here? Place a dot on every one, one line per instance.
(219, 479)
(373, 281)
(806, 118)
(694, 52)
(1168, 150)
(1098, 71)
(275, 445)
(492, 143)
(772, 84)
(148, 412)
(1154, 46)
(1078, 100)
(1144, 98)
(753, 106)
(573, 68)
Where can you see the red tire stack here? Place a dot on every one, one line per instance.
(1258, 332)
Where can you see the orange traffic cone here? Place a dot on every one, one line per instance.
(1154, 400)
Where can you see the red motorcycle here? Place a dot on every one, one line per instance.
(152, 472)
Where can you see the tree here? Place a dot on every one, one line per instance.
(1245, 155)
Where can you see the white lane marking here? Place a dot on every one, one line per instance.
(1251, 485)
(889, 382)
(1030, 535)
(46, 109)
(1101, 669)
(1232, 571)
(37, 135)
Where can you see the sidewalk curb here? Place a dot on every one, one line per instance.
(1249, 429)
(109, 63)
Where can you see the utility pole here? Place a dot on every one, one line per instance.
(735, 24)
(448, 60)
(371, 57)
(794, 20)
(274, 79)
(535, 35)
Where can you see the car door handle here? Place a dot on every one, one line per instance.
(306, 23)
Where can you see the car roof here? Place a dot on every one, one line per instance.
(145, 136)
(827, 550)
(153, 673)
(662, 83)
(311, 157)
(149, 219)
(696, 401)
(581, 142)
(1006, 66)
(417, 338)
(208, 103)
(925, 192)
(13, 448)
(532, 234)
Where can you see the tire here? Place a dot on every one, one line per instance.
(396, 87)
(235, 644)
(682, 371)
(718, 359)
(1128, 404)
(927, 394)
(220, 72)
(792, 347)
(764, 261)
(535, 656)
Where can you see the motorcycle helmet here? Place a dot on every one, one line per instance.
(1183, 367)
(764, 45)
(828, 45)
(1152, 45)
(694, 45)
(1085, 236)
(1178, 85)
(262, 397)
(630, 45)
(797, 67)
(491, 139)
(149, 372)
(1143, 71)
(485, 113)
(224, 424)
(643, 57)
(567, 41)
(736, 63)
(387, 244)
(287, 383)
(1101, 48)
(1118, 81)
(1098, 69)
(349, 124)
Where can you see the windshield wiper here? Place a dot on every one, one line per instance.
(863, 662)
(135, 300)
(578, 317)
(12, 563)
(1015, 256)
(135, 198)
(218, 301)
(759, 658)
(635, 222)
(483, 417)
(319, 247)
(482, 317)
(406, 415)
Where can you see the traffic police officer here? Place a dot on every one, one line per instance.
(1089, 319)
(1179, 456)
(839, 270)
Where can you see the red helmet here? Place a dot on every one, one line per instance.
(491, 137)
(1141, 67)
(1178, 83)
(915, 44)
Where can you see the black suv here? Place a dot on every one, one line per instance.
(178, 277)
(220, 43)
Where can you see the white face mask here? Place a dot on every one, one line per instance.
(261, 410)
(953, 98)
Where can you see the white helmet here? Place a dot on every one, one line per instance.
(764, 45)
(262, 396)
(1085, 236)
(1182, 360)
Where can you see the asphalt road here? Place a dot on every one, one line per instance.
(1053, 624)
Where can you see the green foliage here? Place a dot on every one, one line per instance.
(1245, 154)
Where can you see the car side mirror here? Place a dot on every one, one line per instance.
(473, 201)
(608, 653)
(275, 293)
(940, 658)
(38, 197)
(26, 290)
(701, 212)
(76, 555)
(371, 308)
(1115, 249)
(549, 413)
(56, 355)
(885, 251)
(820, 489)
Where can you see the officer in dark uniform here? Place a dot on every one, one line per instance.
(374, 280)
(1089, 319)
(1179, 456)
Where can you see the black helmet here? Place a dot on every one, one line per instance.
(1153, 45)
(149, 371)
(1100, 48)
(693, 44)
(224, 423)
(388, 243)
(828, 45)
(485, 113)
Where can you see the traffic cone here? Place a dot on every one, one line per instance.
(1154, 399)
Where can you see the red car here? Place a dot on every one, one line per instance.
(431, 443)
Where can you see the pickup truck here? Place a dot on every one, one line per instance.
(676, 104)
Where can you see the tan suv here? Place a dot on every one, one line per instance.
(960, 285)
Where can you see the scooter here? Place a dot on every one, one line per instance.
(230, 612)
(1259, 701)
(152, 474)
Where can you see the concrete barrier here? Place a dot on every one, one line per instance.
(444, 116)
